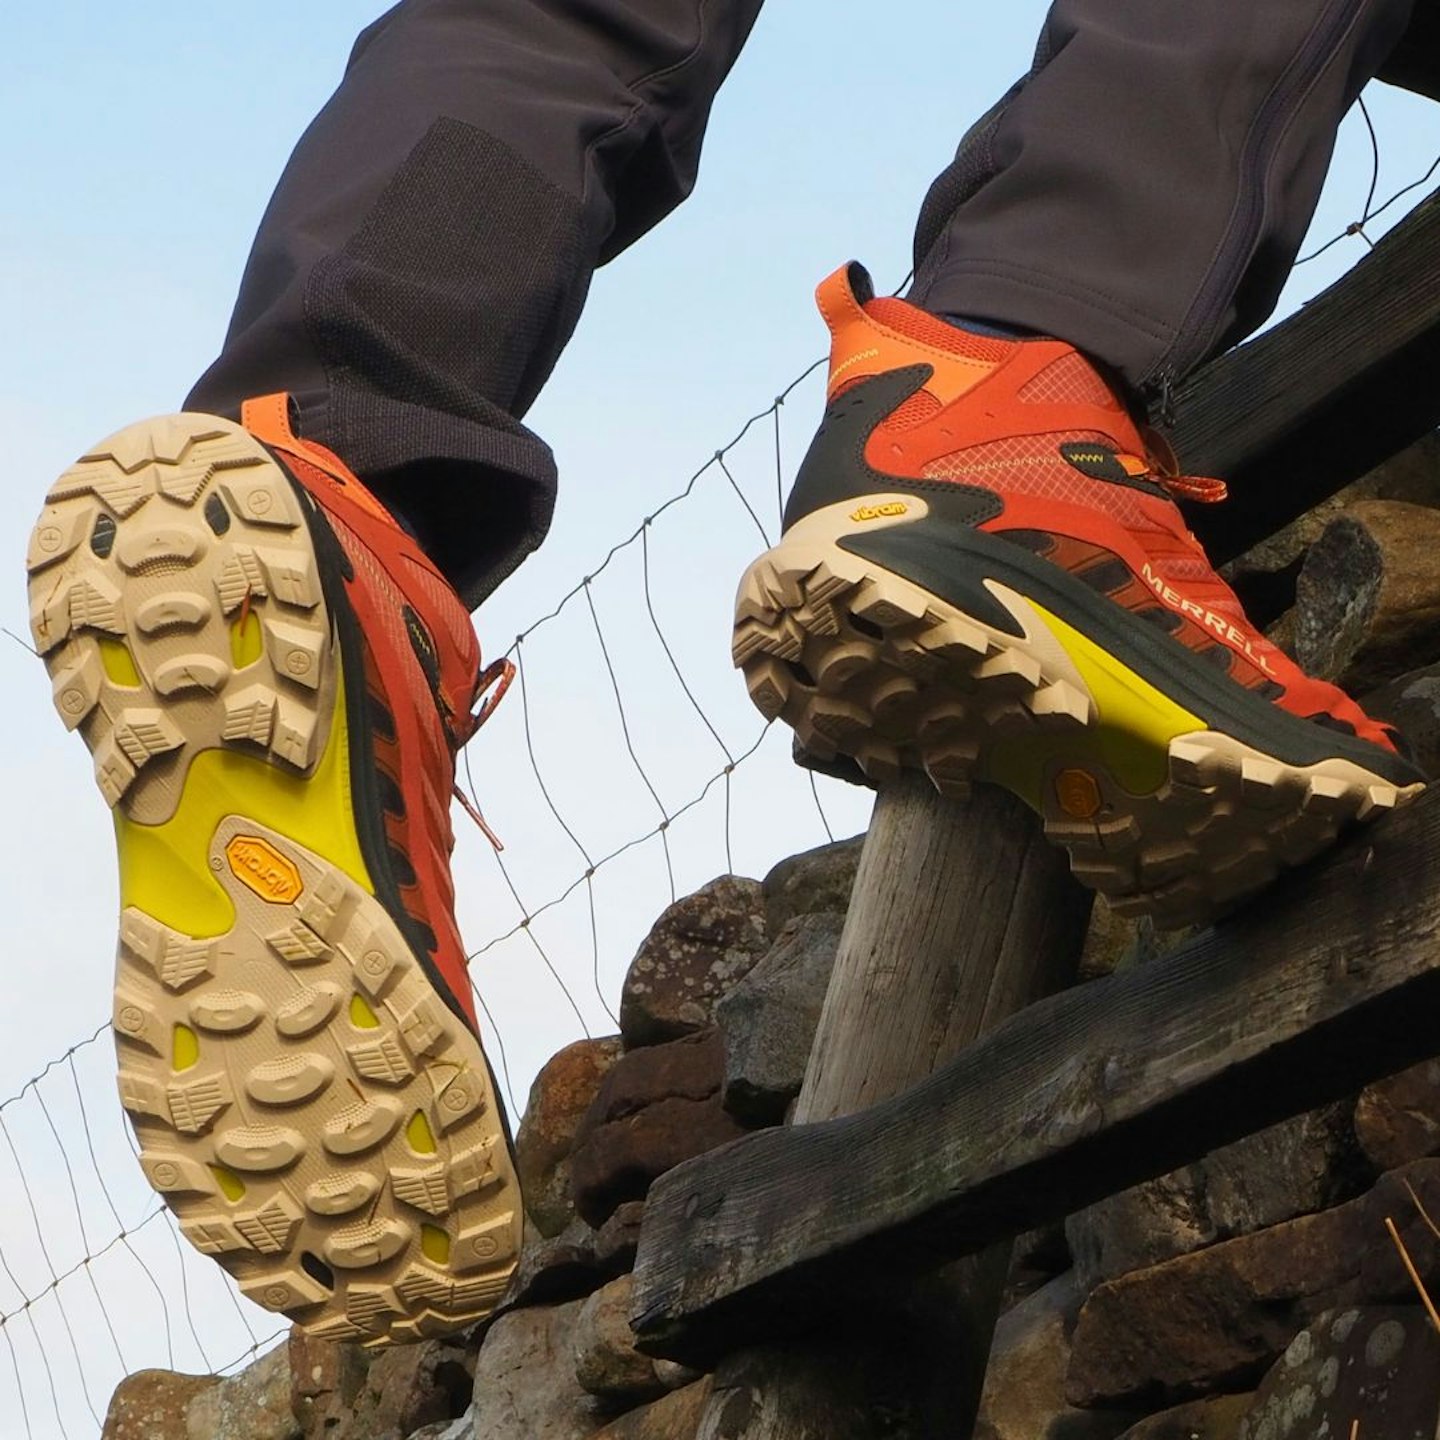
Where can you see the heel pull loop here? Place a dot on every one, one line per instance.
(267, 418)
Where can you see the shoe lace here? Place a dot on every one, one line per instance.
(1165, 472)
(1194, 487)
(490, 687)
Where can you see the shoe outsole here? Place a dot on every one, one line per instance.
(313, 1113)
(1162, 814)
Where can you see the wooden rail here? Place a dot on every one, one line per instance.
(1328, 983)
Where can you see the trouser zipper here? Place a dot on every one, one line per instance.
(1200, 329)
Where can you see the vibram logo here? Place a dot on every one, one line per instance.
(1207, 619)
(1078, 794)
(262, 868)
(880, 512)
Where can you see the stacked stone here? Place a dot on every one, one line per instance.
(1255, 1295)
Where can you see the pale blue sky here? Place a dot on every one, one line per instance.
(140, 144)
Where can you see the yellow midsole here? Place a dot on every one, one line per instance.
(1130, 735)
(165, 869)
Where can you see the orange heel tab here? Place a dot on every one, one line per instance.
(870, 336)
(841, 297)
(267, 418)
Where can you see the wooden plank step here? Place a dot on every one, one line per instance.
(1329, 981)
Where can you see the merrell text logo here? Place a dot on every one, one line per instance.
(1207, 619)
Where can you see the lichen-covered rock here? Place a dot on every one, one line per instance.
(1298, 1166)
(1218, 1318)
(607, 1364)
(1142, 1226)
(1265, 576)
(251, 1405)
(387, 1395)
(691, 1068)
(676, 1417)
(675, 1376)
(325, 1379)
(816, 882)
(1367, 599)
(1111, 942)
(562, 1093)
(461, 1429)
(1114, 943)
(254, 1404)
(152, 1405)
(768, 1020)
(619, 1237)
(1215, 1418)
(525, 1386)
(1397, 1119)
(696, 951)
(657, 1107)
(1024, 1393)
(1377, 1365)
(560, 1267)
(1411, 703)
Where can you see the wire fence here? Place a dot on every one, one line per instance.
(644, 773)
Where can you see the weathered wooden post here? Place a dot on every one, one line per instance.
(961, 915)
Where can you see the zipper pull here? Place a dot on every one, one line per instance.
(1163, 388)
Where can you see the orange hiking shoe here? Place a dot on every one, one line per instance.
(274, 680)
(983, 572)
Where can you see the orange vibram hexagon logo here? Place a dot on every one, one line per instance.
(1078, 794)
(258, 864)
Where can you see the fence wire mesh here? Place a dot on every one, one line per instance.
(626, 769)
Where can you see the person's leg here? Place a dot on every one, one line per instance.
(984, 571)
(429, 248)
(1143, 192)
(274, 674)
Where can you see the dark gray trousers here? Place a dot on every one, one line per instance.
(1141, 194)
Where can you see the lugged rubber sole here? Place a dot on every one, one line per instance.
(1161, 812)
(305, 1102)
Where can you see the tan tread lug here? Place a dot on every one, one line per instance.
(355, 1176)
(162, 544)
(1221, 829)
